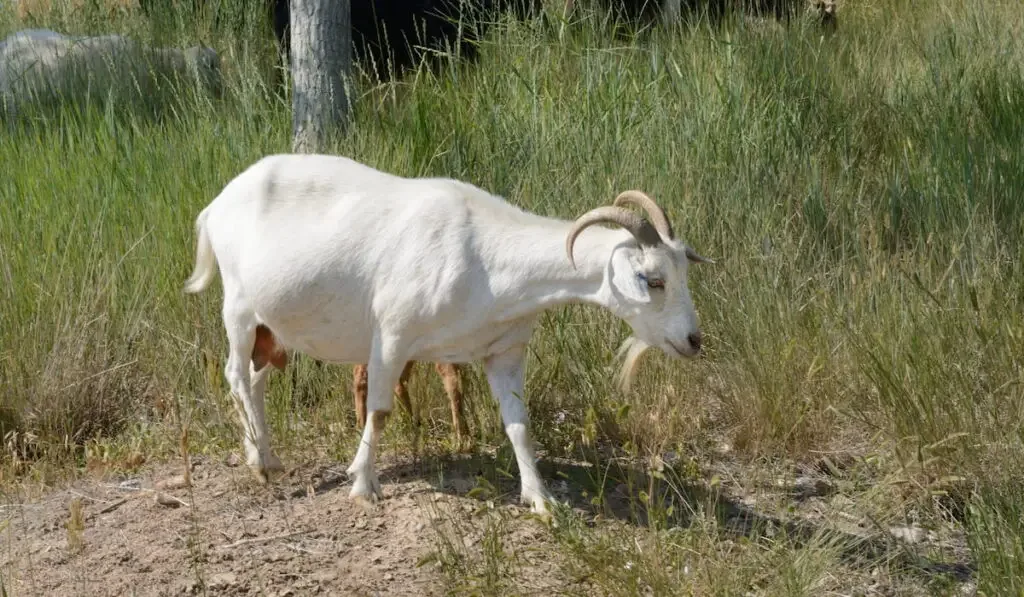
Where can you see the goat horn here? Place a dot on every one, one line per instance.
(637, 226)
(654, 211)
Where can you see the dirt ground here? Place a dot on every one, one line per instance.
(302, 535)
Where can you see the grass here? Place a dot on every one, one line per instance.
(862, 194)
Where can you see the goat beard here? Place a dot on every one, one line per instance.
(629, 352)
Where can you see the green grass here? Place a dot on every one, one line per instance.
(863, 195)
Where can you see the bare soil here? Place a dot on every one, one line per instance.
(227, 535)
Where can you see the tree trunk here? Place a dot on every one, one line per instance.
(321, 66)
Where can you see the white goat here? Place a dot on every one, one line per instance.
(352, 265)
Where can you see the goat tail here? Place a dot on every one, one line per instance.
(206, 262)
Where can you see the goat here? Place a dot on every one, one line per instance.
(349, 264)
(266, 350)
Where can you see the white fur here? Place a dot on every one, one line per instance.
(352, 265)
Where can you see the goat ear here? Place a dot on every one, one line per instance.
(695, 257)
(626, 282)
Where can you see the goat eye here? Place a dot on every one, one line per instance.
(651, 282)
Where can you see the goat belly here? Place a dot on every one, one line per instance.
(323, 335)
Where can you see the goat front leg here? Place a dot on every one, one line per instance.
(382, 371)
(505, 376)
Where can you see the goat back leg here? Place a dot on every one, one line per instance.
(359, 394)
(383, 371)
(402, 392)
(451, 376)
(505, 376)
(240, 324)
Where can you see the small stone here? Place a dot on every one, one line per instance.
(233, 460)
(810, 486)
(166, 500)
(223, 579)
(130, 484)
(388, 577)
(360, 523)
(911, 534)
(175, 482)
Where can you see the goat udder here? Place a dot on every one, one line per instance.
(267, 350)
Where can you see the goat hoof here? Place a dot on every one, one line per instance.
(369, 504)
(367, 488)
(539, 504)
(267, 470)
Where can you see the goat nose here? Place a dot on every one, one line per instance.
(694, 340)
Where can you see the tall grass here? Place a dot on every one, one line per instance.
(862, 194)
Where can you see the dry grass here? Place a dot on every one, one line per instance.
(864, 322)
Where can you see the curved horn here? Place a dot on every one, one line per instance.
(637, 226)
(654, 211)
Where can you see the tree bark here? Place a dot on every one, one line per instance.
(321, 66)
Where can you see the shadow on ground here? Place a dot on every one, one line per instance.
(609, 492)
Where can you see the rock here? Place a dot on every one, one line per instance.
(233, 460)
(811, 486)
(909, 534)
(130, 484)
(805, 486)
(175, 482)
(166, 500)
(223, 580)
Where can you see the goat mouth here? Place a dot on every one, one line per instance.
(679, 351)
